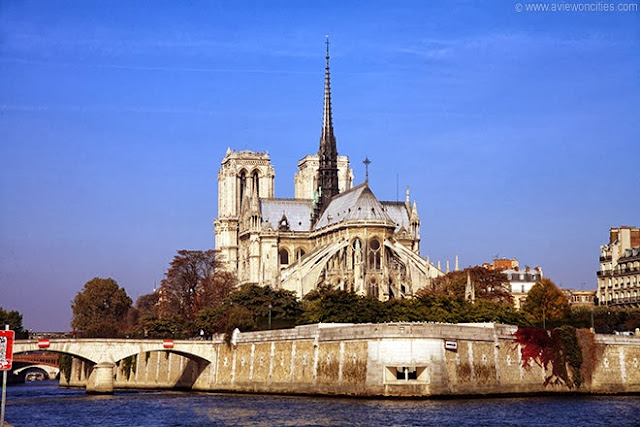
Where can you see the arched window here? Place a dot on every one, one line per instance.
(356, 249)
(243, 184)
(373, 289)
(256, 183)
(374, 254)
(299, 253)
(284, 257)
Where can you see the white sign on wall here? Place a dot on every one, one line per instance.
(451, 345)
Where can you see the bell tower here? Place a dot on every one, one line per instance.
(243, 175)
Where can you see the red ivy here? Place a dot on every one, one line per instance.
(544, 347)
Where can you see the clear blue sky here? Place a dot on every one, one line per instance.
(517, 132)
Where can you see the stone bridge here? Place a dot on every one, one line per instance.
(104, 353)
(51, 372)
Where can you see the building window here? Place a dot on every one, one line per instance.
(256, 183)
(373, 289)
(299, 253)
(284, 257)
(243, 184)
(374, 254)
(356, 248)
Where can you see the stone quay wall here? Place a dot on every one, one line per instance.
(396, 359)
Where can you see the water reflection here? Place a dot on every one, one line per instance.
(43, 403)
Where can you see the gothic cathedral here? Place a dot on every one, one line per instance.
(331, 233)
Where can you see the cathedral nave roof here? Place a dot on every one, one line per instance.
(297, 212)
(358, 203)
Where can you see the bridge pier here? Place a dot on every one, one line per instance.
(100, 380)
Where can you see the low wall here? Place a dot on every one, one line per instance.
(398, 359)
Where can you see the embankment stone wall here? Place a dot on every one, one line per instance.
(399, 359)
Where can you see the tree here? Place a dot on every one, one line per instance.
(545, 302)
(326, 304)
(143, 314)
(283, 305)
(489, 284)
(13, 318)
(492, 311)
(194, 281)
(100, 309)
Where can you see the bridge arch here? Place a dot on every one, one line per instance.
(113, 350)
(51, 372)
(103, 354)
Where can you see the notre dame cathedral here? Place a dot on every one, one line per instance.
(331, 233)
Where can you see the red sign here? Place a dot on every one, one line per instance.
(167, 343)
(43, 343)
(6, 350)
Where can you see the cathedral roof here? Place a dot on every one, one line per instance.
(358, 203)
(297, 212)
(398, 213)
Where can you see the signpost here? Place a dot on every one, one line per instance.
(6, 359)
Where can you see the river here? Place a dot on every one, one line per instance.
(45, 404)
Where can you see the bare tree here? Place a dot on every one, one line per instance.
(194, 280)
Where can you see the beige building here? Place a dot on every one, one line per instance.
(581, 297)
(619, 275)
(331, 233)
(520, 281)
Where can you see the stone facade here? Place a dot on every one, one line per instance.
(331, 233)
(619, 275)
(520, 281)
(400, 359)
(581, 297)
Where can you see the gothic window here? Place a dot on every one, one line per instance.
(356, 248)
(374, 254)
(256, 183)
(299, 253)
(373, 289)
(284, 257)
(243, 184)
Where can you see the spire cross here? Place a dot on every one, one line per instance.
(366, 162)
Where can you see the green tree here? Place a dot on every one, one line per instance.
(492, 311)
(171, 327)
(402, 310)
(325, 304)
(285, 308)
(100, 309)
(13, 318)
(546, 303)
(441, 307)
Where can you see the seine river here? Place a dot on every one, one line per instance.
(44, 404)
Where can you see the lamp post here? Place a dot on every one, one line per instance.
(270, 307)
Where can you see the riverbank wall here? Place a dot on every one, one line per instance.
(396, 359)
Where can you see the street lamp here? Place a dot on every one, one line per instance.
(270, 307)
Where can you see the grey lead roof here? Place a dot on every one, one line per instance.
(398, 213)
(297, 211)
(358, 203)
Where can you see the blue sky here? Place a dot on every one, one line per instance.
(518, 133)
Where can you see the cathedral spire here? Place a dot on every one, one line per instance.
(327, 178)
(327, 119)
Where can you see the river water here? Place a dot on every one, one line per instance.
(45, 404)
